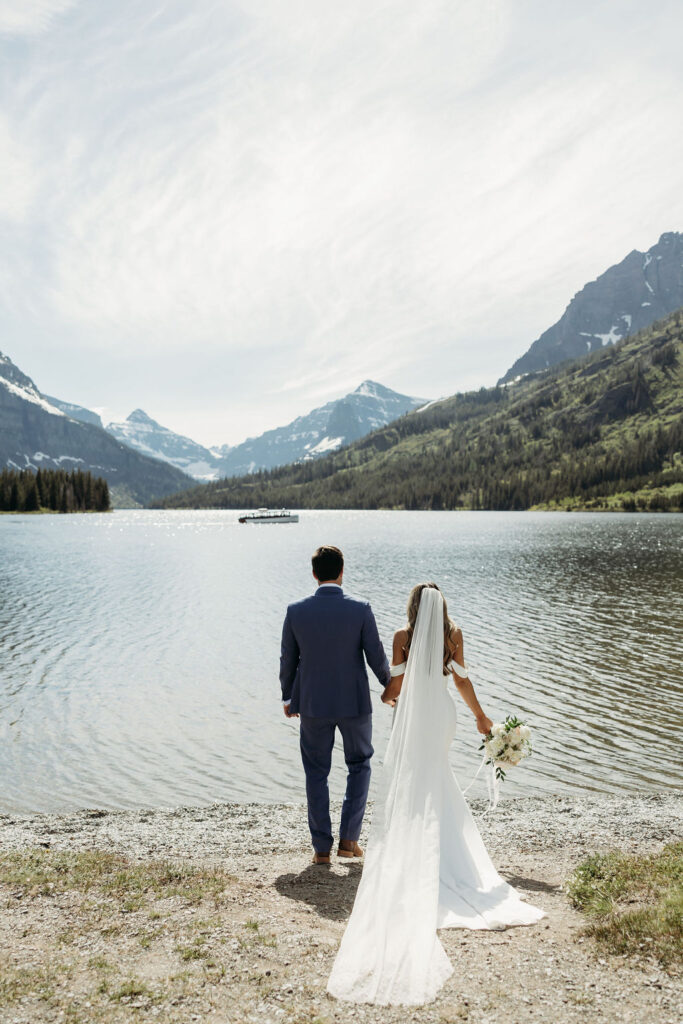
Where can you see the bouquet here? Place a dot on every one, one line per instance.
(507, 743)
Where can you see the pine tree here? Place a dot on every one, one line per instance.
(31, 496)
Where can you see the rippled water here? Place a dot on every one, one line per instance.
(139, 650)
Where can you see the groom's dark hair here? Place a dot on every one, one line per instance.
(327, 562)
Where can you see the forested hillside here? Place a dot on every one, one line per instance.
(602, 432)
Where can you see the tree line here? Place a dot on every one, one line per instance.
(52, 490)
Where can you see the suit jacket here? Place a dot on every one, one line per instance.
(322, 669)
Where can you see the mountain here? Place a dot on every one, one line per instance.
(76, 412)
(321, 431)
(311, 436)
(35, 433)
(605, 431)
(644, 287)
(141, 432)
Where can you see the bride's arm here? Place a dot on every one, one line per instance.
(465, 688)
(397, 659)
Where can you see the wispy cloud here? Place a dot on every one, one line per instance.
(226, 212)
(29, 17)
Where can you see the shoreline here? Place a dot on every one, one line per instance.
(303, 508)
(538, 822)
(259, 946)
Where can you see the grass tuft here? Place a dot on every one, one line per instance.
(46, 872)
(130, 989)
(18, 983)
(635, 902)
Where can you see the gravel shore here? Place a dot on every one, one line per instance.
(268, 942)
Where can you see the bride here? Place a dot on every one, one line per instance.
(426, 866)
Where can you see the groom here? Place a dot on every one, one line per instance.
(325, 683)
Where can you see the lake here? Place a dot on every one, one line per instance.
(139, 650)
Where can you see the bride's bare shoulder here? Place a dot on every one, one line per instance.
(400, 644)
(455, 639)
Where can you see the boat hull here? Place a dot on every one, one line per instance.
(268, 520)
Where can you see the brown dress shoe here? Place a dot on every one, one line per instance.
(349, 848)
(321, 858)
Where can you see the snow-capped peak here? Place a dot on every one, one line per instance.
(21, 386)
(141, 432)
(140, 416)
(371, 389)
(322, 430)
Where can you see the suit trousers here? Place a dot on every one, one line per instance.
(316, 737)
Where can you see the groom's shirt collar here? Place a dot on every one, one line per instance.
(321, 585)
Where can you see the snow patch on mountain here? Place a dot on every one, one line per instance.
(612, 335)
(29, 395)
(328, 444)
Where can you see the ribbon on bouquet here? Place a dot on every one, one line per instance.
(492, 784)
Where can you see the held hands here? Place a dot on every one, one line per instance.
(484, 723)
(390, 694)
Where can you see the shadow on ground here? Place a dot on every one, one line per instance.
(330, 893)
(531, 884)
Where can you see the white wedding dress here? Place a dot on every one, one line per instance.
(426, 866)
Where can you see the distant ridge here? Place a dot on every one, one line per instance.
(308, 437)
(323, 430)
(141, 432)
(76, 412)
(644, 287)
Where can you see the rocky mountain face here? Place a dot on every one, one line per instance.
(644, 287)
(35, 432)
(141, 432)
(321, 431)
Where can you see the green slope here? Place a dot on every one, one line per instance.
(602, 432)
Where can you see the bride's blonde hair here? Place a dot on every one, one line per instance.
(449, 627)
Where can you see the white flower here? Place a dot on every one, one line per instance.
(497, 729)
(525, 732)
(494, 747)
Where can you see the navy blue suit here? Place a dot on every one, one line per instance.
(322, 672)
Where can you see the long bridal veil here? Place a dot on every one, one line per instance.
(390, 952)
(426, 866)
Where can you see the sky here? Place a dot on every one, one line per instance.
(227, 213)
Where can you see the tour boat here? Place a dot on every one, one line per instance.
(270, 515)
